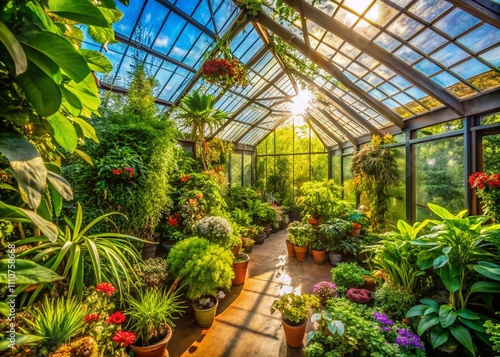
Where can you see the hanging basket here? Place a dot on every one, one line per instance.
(225, 73)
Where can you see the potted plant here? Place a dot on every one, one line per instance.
(318, 248)
(152, 272)
(321, 200)
(150, 315)
(488, 190)
(334, 231)
(225, 72)
(247, 243)
(301, 234)
(206, 268)
(294, 312)
(358, 219)
(240, 265)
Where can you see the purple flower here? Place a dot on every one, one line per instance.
(407, 338)
(323, 285)
(382, 319)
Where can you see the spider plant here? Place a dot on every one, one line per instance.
(78, 255)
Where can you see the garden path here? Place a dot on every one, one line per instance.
(244, 326)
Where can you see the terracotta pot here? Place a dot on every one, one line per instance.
(290, 249)
(248, 248)
(259, 238)
(157, 350)
(319, 256)
(149, 250)
(205, 317)
(300, 253)
(235, 249)
(294, 335)
(240, 270)
(335, 258)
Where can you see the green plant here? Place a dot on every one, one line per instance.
(348, 275)
(238, 196)
(351, 245)
(83, 257)
(198, 114)
(376, 172)
(335, 231)
(395, 254)
(152, 272)
(215, 229)
(205, 267)
(151, 311)
(241, 217)
(393, 300)
(493, 329)
(321, 199)
(58, 320)
(300, 234)
(358, 216)
(318, 244)
(294, 307)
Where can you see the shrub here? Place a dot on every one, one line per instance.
(325, 290)
(348, 275)
(152, 272)
(393, 300)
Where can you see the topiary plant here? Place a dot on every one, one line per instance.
(204, 267)
(348, 275)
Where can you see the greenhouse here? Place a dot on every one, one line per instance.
(231, 178)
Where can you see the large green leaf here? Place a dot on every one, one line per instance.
(111, 15)
(41, 90)
(70, 102)
(441, 212)
(14, 48)
(64, 131)
(440, 261)
(427, 322)
(62, 186)
(4, 309)
(40, 18)
(97, 61)
(27, 272)
(88, 130)
(102, 35)
(81, 11)
(27, 164)
(490, 270)
(485, 287)
(87, 92)
(20, 340)
(463, 336)
(476, 325)
(468, 314)
(438, 336)
(451, 282)
(61, 51)
(14, 213)
(43, 62)
(447, 315)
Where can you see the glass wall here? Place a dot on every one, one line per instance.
(241, 168)
(287, 158)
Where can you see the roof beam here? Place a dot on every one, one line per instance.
(250, 102)
(343, 130)
(339, 29)
(324, 129)
(187, 18)
(326, 65)
(252, 126)
(148, 50)
(340, 105)
(484, 12)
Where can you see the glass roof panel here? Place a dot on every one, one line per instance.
(456, 22)
(254, 136)
(233, 130)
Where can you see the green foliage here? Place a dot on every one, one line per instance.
(82, 257)
(294, 308)
(58, 320)
(493, 329)
(321, 199)
(376, 173)
(393, 301)
(150, 311)
(335, 231)
(395, 254)
(300, 234)
(152, 272)
(219, 153)
(204, 267)
(348, 275)
(238, 196)
(279, 182)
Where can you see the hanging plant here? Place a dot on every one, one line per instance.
(225, 73)
(375, 171)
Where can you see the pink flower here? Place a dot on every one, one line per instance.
(124, 337)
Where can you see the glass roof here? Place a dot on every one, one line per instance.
(376, 62)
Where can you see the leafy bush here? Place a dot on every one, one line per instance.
(205, 267)
(493, 329)
(152, 272)
(348, 275)
(393, 301)
(214, 228)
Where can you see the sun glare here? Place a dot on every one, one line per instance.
(300, 102)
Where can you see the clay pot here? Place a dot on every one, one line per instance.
(157, 350)
(240, 270)
(149, 250)
(319, 256)
(313, 222)
(294, 335)
(300, 253)
(290, 249)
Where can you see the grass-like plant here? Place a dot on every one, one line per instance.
(151, 311)
(58, 320)
(84, 258)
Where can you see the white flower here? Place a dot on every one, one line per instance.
(221, 295)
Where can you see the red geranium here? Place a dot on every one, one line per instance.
(172, 221)
(116, 318)
(124, 337)
(185, 178)
(225, 73)
(106, 288)
(91, 317)
(117, 172)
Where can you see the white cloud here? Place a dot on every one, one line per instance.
(177, 51)
(162, 41)
(148, 17)
(123, 27)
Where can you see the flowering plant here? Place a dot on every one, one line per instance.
(488, 189)
(103, 323)
(406, 341)
(214, 228)
(324, 290)
(359, 296)
(224, 72)
(152, 272)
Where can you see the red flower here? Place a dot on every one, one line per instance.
(185, 178)
(91, 317)
(124, 337)
(117, 172)
(172, 221)
(106, 288)
(476, 180)
(116, 318)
